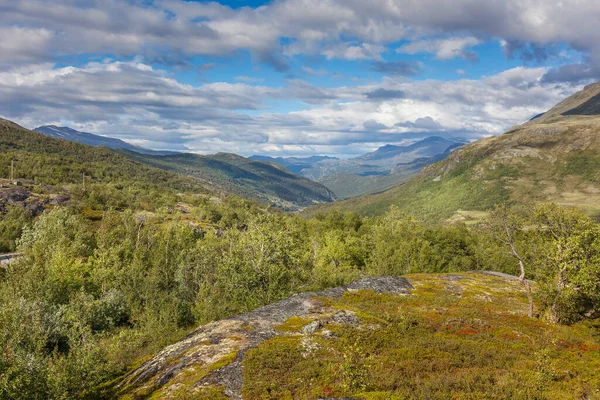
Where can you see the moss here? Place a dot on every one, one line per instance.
(180, 387)
(293, 324)
(433, 344)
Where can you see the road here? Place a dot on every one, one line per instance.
(8, 258)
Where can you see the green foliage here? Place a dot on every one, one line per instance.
(568, 269)
(430, 198)
(112, 180)
(132, 264)
(11, 226)
(246, 269)
(584, 164)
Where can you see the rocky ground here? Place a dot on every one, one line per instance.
(27, 195)
(212, 355)
(423, 336)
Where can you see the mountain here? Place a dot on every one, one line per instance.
(383, 160)
(51, 161)
(294, 164)
(221, 173)
(374, 172)
(391, 155)
(425, 336)
(261, 181)
(554, 157)
(346, 185)
(92, 139)
(225, 173)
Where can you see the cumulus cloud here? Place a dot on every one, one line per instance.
(426, 123)
(372, 125)
(133, 101)
(140, 102)
(314, 72)
(38, 30)
(385, 94)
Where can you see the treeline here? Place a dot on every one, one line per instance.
(91, 297)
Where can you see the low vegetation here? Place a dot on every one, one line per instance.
(91, 297)
(456, 336)
(133, 257)
(263, 182)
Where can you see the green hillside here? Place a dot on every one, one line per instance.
(553, 158)
(61, 162)
(448, 336)
(256, 180)
(52, 161)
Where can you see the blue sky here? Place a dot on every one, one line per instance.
(291, 77)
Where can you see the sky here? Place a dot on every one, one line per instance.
(292, 77)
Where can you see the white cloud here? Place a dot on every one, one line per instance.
(135, 102)
(37, 30)
(314, 72)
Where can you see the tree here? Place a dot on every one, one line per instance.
(11, 226)
(505, 225)
(569, 268)
(398, 245)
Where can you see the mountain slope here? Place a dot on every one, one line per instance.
(555, 157)
(225, 173)
(383, 160)
(425, 336)
(256, 180)
(346, 185)
(294, 164)
(391, 155)
(61, 162)
(91, 139)
(380, 170)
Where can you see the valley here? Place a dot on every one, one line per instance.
(299, 200)
(552, 158)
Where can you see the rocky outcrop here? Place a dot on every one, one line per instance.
(212, 355)
(27, 195)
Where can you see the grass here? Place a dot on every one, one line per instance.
(451, 338)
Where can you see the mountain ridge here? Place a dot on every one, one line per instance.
(92, 139)
(222, 173)
(555, 157)
(373, 172)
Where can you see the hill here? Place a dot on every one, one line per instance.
(436, 336)
(51, 161)
(391, 155)
(383, 160)
(91, 139)
(347, 185)
(261, 181)
(555, 157)
(221, 173)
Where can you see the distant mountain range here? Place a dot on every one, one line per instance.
(382, 169)
(374, 172)
(63, 132)
(554, 157)
(221, 173)
(294, 164)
